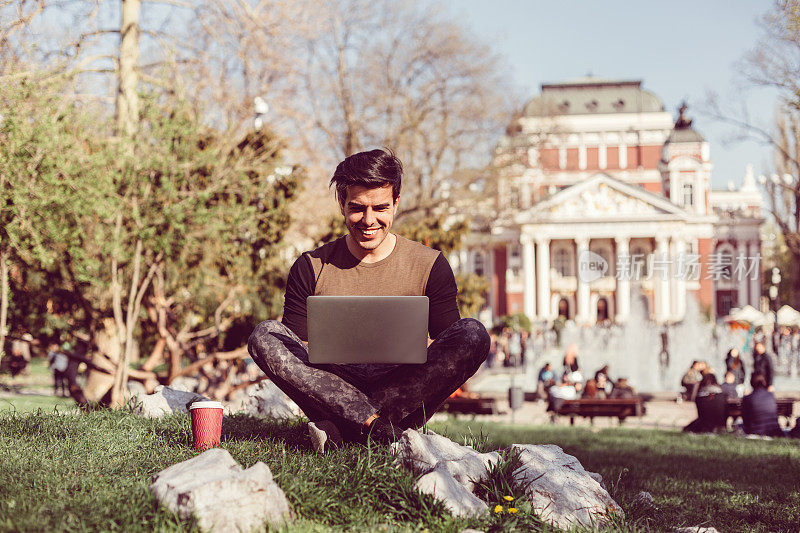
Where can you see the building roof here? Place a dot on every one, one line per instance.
(683, 132)
(593, 96)
(687, 135)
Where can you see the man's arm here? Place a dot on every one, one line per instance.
(441, 290)
(299, 285)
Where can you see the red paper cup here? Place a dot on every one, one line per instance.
(206, 424)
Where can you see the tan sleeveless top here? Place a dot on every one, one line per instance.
(403, 273)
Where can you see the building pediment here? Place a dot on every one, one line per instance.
(605, 198)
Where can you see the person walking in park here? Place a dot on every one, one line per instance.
(762, 364)
(734, 364)
(58, 363)
(370, 400)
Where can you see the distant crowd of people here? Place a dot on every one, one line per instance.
(759, 408)
(570, 383)
(510, 348)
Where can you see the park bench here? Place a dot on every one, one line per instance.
(620, 408)
(785, 406)
(473, 406)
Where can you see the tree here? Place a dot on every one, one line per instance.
(775, 62)
(346, 75)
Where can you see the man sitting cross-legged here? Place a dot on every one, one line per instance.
(370, 399)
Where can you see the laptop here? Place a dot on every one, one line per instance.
(367, 329)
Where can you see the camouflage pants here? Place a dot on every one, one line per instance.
(407, 395)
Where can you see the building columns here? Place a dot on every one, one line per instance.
(583, 313)
(678, 288)
(660, 270)
(623, 295)
(543, 277)
(529, 281)
(755, 281)
(738, 275)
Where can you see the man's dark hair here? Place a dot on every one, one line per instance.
(708, 379)
(372, 169)
(758, 381)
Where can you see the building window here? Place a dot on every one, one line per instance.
(606, 255)
(478, 265)
(688, 195)
(638, 262)
(514, 197)
(562, 262)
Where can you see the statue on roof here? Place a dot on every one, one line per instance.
(683, 121)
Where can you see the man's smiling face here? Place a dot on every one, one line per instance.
(368, 215)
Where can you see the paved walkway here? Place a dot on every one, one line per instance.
(663, 412)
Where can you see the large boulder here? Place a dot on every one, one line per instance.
(214, 489)
(270, 401)
(164, 401)
(561, 491)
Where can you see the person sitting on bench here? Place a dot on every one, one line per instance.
(360, 400)
(760, 409)
(712, 405)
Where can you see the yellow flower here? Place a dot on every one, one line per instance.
(498, 509)
(512, 510)
(508, 498)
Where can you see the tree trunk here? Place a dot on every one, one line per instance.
(125, 333)
(128, 76)
(3, 297)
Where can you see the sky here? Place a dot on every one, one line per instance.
(681, 50)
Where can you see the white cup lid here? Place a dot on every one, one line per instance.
(206, 405)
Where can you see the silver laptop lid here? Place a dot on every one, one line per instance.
(367, 329)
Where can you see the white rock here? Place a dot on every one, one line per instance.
(222, 496)
(644, 499)
(136, 388)
(695, 529)
(184, 383)
(425, 452)
(560, 490)
(324, 435)
(164, 401)
(455, 496)
(269, 400)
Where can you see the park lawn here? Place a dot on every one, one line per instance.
(32, 402)
(90, 471)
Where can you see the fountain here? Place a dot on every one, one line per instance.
(653, 357)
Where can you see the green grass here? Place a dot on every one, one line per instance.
(32, 402)
(90, 471)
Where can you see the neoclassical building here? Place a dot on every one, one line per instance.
(603, 196)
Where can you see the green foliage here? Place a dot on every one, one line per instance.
(517, 322)
(209, 210)
(434, 232)
(336, 228)
(503, 492)
(472, 291)
(56, 191)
